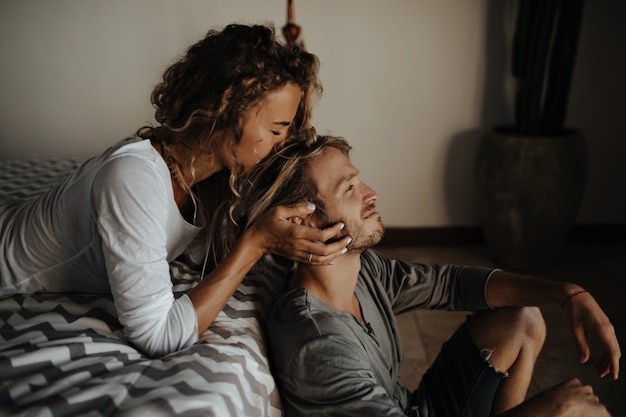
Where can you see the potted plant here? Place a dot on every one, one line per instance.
(531, 175)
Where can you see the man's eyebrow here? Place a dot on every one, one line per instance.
(346, 178)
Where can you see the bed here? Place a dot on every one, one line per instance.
(65, 354)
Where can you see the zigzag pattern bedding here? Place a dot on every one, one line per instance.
(27, 178)
(65, 355)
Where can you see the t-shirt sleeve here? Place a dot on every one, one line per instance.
(412, 286)
(330, 376)
(131, 206)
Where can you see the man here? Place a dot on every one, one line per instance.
(333, 336)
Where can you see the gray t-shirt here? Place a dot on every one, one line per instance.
(328, 363)
(110, 227)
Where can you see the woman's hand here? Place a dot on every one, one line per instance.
(281, 231)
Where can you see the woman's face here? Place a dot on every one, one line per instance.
(266, 125)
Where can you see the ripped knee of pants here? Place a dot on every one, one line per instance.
(486, 354)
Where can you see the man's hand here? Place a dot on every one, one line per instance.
(586, 318)
(568, 399)
(584, 315)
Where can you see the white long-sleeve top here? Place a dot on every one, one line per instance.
(110, 227)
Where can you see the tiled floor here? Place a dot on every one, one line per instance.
(598, 268)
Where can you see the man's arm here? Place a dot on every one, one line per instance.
(509, 290)
(585, 317)
(411, 286)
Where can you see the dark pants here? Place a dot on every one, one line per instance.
(460, 383)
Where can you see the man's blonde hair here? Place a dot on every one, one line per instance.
(283, 178)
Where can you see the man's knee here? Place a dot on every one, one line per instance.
(509, 336)
(533, 324)
(509, 328)
(526, 320)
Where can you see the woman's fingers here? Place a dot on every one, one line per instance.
(319, 253)
(300, 210)
(287, 234)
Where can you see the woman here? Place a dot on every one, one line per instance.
(113, 225)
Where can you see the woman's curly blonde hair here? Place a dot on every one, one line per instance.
(208, 90)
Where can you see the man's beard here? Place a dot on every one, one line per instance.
(364, 240)
(360, 241)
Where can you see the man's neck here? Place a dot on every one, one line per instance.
(333, 284)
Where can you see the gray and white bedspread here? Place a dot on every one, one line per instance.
(65, 354)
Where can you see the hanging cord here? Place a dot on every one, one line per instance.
(174, 167)
(206, 256)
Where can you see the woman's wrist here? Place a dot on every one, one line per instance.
(252, 242)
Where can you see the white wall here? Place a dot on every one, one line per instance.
(405, 82)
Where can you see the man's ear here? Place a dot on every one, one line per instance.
(307, 221)
(295, 220)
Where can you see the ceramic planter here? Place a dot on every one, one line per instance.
(529, 191)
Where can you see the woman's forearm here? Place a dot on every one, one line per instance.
(212, 293)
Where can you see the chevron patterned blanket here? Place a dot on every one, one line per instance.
(65, 354)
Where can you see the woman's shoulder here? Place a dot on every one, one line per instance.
(129, 160)
(133, 146)
(125, 152)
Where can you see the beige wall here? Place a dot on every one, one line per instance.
(410, 83)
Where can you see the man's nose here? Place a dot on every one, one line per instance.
(369, 195)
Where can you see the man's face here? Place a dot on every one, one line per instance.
(347, 199)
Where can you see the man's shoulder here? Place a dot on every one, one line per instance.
(301, 328)
(375, 266)
(298, 310)
(373, 259)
